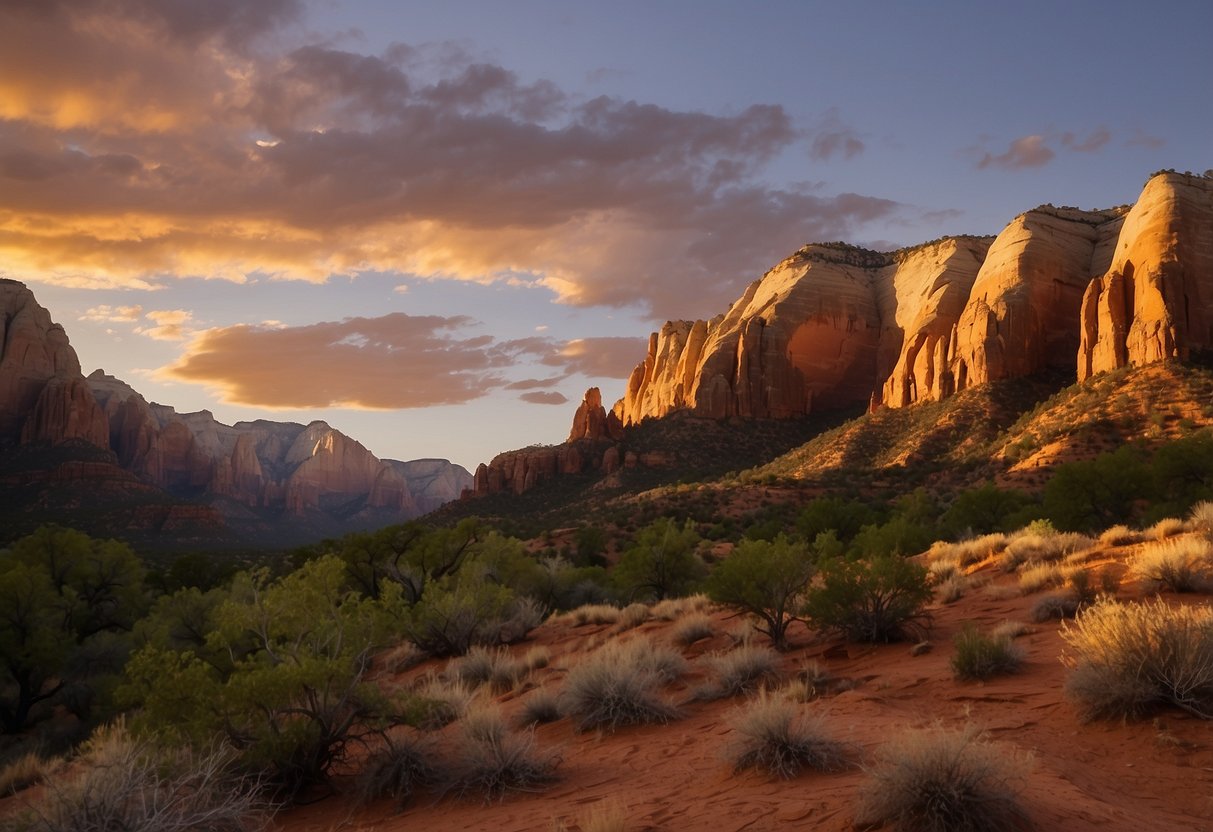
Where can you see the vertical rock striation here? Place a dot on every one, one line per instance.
(1154, 300)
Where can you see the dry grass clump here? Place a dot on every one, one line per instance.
(398, 770)
(811, 681)
(952, 589)
(1120, 535)
(537, 657)
(1055, 606)
(124, 784)
(1035, 577)
(540, 707)
(632, 616)
(1200, 518)
(620, 685)
(496, 668)
(941, 780)
(775, 737)
(1010, 629)
(25, 771)
(966, 552)
(594, 614)
(1028, 547)
(671, 609)
(979, 656)
(693, 628)
(743, 669)
(1131, 658)
(445, 701)
(402, 657)
(1178, 565)
(1165, 528)
(490, 760)
(941, 570)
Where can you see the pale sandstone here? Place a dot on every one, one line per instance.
(1022, 313)
(1155, 300)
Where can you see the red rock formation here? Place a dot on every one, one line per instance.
(1155, 299)
(929, 287)
(33, 351)
(592, 421)
(330, 468)
(804, 336)
(1022, 313)
(66, 409)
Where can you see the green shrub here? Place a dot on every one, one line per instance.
(940, 780)
(284, 678)
(876, 600)
(776, 739)
(456, 613)
(64, 595)
(766, 580)
(1129, 659)
(662, 562)
(979, 656)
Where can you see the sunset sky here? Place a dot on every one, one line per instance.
(435, 224)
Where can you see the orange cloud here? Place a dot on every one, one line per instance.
(142, 140)
(606, 357)
(170, 324)
(113, 314)
(390, 362)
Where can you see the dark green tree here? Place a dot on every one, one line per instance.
(875, 600)
(662, 561)
(766, 580)
(291, 694)
(60, 591)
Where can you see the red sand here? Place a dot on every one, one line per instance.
(1151, 775)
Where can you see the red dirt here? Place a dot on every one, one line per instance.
(1151, 775)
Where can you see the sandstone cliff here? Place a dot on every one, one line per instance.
(1022, 314)
(835, 325)
(826, 328)
(1154, 300)
(41, 397)
(270, 468)
(433, 482)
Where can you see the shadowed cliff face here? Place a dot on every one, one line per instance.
(279, 468)
(42, 394)
(833, 326)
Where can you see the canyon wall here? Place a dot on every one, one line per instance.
(278, 468)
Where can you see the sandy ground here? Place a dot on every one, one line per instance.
(1149, 775)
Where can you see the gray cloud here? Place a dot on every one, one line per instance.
(545, 398)
(226, 156)
(1024, 152)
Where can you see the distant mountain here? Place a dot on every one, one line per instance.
(1060, 291)
(213, 483)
